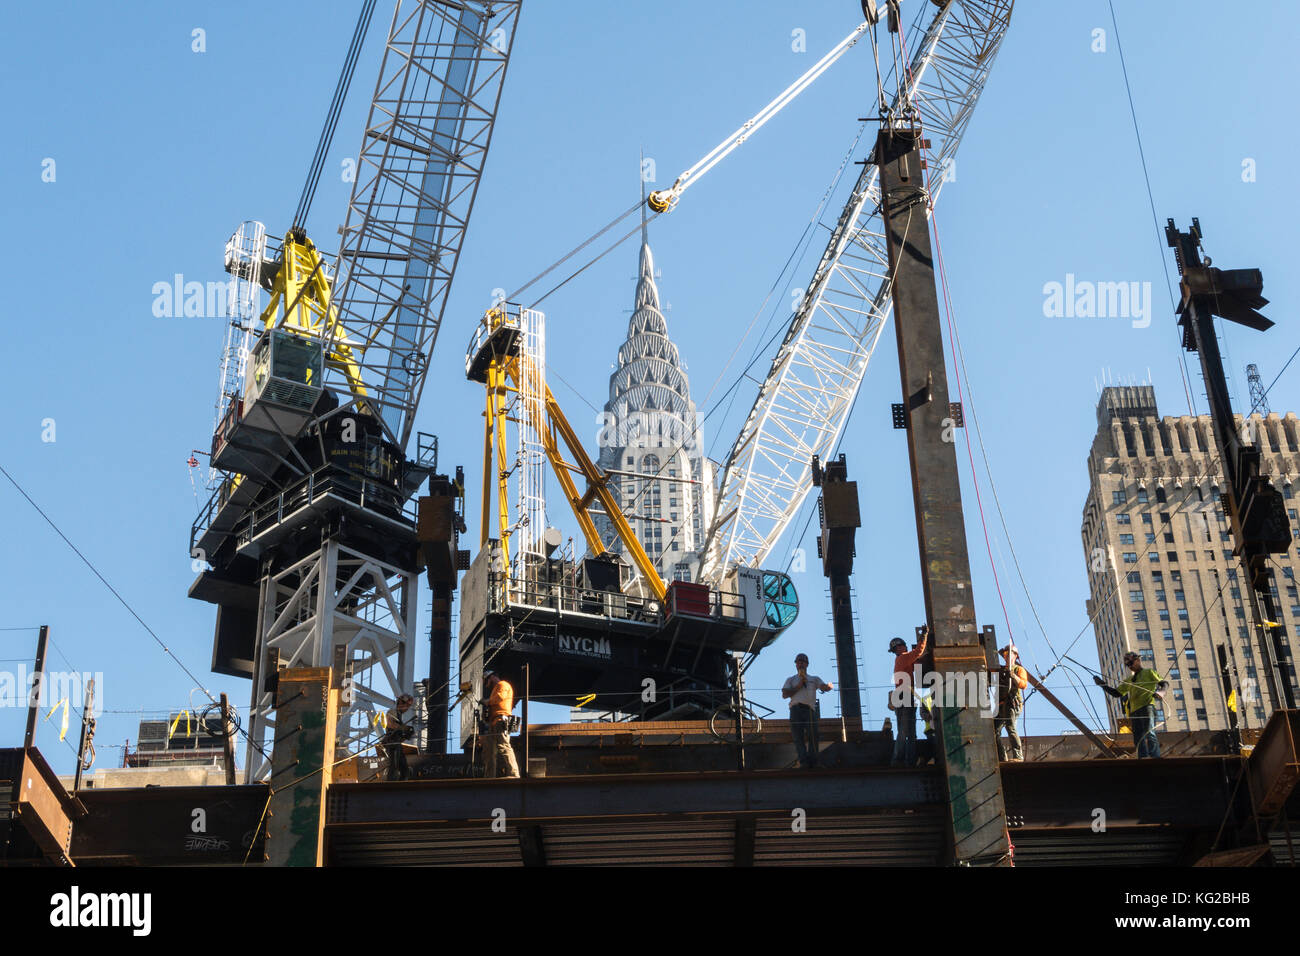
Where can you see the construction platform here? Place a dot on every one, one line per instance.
(621, 794)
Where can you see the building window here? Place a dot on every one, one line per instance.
(1154, 557)
(1143, 634)
(1186, 633)
(1160, 495)
(1142, 496)
(1173, 673)
(1182, 613)
(1178, 596)
(1164, 614)
(1130, 557)
(1118, 497)
(1146, 517)
(1126, 539)
(1160, 595)
(1167, 633)
(1135, 597)
(1172, 556)
(1200, 713)
(1198, 694)
(1135, 577)
(1123, 518)
(1169, 537)
(1139, 614)
(1151, 538)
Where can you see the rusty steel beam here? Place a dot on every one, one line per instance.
(158, 826)
(978, 821)
(302, 761)
(1274, 764)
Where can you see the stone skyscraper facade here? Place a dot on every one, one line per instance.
(1158, 551)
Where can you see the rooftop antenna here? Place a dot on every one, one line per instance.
(1258, 394)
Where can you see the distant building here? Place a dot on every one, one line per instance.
(1158, 549)
(176, 752)
(649, 428)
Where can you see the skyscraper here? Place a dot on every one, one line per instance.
(1158, 549)
(650, 439)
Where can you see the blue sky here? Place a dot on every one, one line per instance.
(160, 151)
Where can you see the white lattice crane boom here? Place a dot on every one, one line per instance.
(804, 402)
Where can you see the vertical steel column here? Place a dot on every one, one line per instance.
(227, 742)
(1253, 506)
(838, 512)
(38, 687)
(977, 814)
(302, 761)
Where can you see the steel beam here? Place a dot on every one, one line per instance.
(306, 707)
(621, 796)
(979, 832)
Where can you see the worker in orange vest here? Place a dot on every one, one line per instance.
(1012, 680)
(902, 699)
(499, 754)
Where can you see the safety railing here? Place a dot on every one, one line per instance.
(351, 486)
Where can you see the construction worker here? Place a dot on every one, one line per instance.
(499, 755)
(1139, 694)
(801, 690)
(1012, 680)
(901, 700)
(396, 732)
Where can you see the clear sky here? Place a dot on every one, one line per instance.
(159, 151)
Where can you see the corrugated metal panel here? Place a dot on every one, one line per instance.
(659, 843)
(423, 846)
(1284, 854)
(1082, 847)
(885, 839)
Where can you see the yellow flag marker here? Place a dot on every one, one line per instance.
(584, 701)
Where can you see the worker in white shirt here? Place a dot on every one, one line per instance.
(801, 690)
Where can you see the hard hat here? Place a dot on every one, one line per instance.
(898, 642)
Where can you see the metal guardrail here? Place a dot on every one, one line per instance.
(356, 488)
(506, 591)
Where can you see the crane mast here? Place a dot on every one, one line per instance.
(804, 402)
(309, 545)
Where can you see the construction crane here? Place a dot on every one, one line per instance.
(618, 635)
(308, 545)
(804, 402)
(530, 602)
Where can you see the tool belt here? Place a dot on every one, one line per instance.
(509, 723)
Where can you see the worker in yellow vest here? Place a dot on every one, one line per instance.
(1139, 694)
